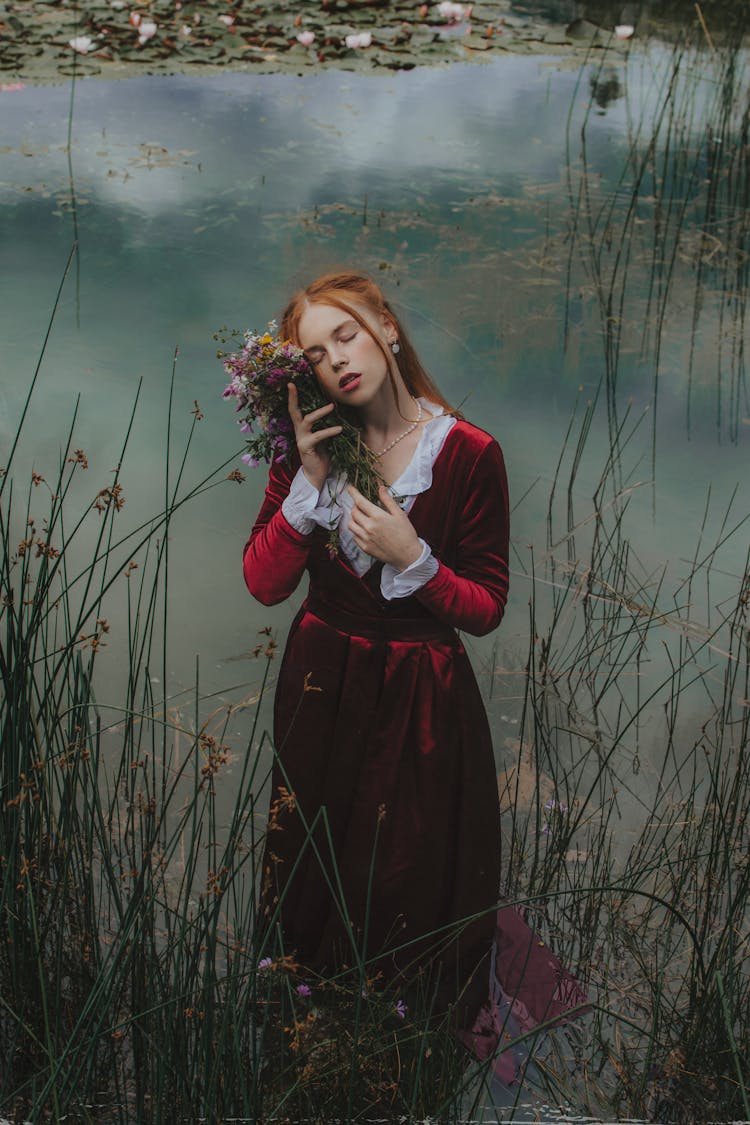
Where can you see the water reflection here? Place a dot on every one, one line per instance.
(606, 87)
(467, 191)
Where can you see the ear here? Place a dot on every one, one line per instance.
(391, 332)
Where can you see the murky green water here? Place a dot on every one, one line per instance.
(565, 244)
(201, 202)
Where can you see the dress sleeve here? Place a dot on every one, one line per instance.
(471, 596)
(300, 503)
(275, 555)
(396, 583)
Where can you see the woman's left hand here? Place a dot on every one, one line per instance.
(385, 533)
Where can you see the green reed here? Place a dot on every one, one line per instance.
(678, 210)
(674, 1045)
(630, 847)
(132, 988)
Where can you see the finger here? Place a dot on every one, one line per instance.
(294, 410)
(388, 502)
(320, 412)
(293, 404)
(358, 529)
(317, 436)
(362, 502)
(360, 521)
(360, 538)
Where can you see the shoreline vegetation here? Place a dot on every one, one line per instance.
(131, 989)
(46, 40)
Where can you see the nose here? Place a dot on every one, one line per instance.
(338, 359)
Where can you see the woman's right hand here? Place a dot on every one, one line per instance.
(316, 463)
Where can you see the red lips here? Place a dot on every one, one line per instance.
(348, 378)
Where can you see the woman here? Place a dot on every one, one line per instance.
(378, 718)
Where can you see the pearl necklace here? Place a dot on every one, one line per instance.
(406, 432)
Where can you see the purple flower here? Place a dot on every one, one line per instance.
(245, 428)
(400, 1009)
(304, 990)
(248, 458)
(265, 963)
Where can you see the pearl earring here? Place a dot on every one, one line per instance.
(395, 347)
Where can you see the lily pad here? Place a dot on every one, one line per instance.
(34, 34)
(477, 43)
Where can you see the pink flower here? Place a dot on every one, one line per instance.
(304, 990)
(11, 87)
(306, 38)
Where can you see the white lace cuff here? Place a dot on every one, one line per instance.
(401, 583)
(300, 504)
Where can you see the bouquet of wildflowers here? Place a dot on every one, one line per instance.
(260, 372)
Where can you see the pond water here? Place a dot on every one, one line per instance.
(471, 194)
(568, 245)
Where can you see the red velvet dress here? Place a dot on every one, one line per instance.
(378, 720)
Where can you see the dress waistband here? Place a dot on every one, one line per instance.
(380, 628)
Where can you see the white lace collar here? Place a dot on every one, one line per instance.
(336, 502)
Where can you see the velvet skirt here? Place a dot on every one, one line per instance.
(390, 846)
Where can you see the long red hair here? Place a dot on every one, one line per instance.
(350, 292)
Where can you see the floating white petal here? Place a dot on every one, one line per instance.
(82, 44)
(453, 12)
(146, 30)
(363, 39)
